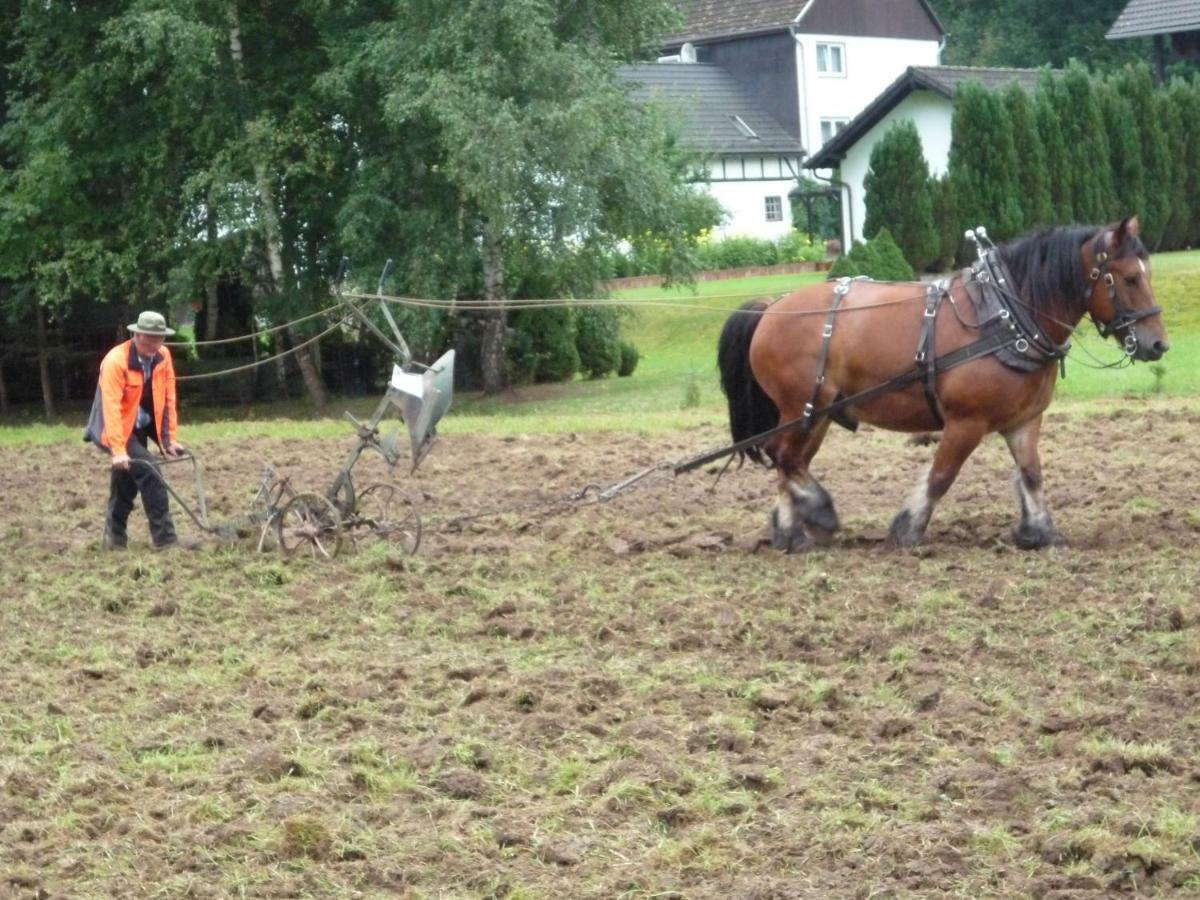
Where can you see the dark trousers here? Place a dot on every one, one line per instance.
(124, 488)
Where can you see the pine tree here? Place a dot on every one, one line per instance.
(886, 261)
(1186, 96)
(1128, 173)
(983, 162)
(1169, 115)
(897, 194)
(1137, 86)
(946, 218)
(1086, 140)
(1036, 205)
(1050, 132)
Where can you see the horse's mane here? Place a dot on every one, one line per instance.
(1048, 271)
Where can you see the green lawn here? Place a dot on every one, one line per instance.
(675, 385)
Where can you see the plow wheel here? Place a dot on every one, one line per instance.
(309, 525)
(390, 516)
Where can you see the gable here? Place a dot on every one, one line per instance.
(941, 80)
(908, 19)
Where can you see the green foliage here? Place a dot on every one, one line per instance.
(1137, 86)
(826, 211)
(1057, 164)
(897, 194)
(946, 219)
(736, 252)
(598, 340)
(1031, 33)
(1086, 138)
(887, 261)
(983, 163)
(150, 151)
(847, 265)
(1036, 206)
(1185, 96)
(629, 359)
(543, 348)
(795, 247)
(879, 258)
(1128, 172)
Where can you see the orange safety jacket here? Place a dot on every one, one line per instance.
(119, 394)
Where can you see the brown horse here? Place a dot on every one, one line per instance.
(792, 359)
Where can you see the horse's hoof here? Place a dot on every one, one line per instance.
(1027, 537)
(902, 535)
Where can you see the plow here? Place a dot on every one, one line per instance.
(302, 523)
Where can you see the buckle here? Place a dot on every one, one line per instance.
(1095, 273)
(1108, 278)
(930, 312)
(1021, 346)
(827, 332)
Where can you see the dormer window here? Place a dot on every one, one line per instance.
(743, 129)
(831, 59)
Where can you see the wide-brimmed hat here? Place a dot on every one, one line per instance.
(151, 323)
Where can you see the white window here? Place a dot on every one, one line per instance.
(774, 209)
(830, 127)
(831, 59)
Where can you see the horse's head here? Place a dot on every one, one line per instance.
(1122, 301)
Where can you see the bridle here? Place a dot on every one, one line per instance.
(1124, 317)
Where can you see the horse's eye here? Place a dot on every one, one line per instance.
(1131, 280)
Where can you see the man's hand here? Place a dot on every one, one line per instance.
(120, 461)
(176, 449)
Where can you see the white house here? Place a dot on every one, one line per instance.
(923, 94)
(749, 161)
(812, 64)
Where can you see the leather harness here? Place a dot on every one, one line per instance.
(1007, 331)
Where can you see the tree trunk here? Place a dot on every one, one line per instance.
(492, 351)
(64, 368)
(269, 208)
(44, 361)
(3, 389)
(212, 305)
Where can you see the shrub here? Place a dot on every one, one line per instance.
(796, 247)
(629, 359)
(598, 340)
(542, 347)
(897, 194)
(878, 258)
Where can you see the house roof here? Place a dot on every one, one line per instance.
(710, 19)
(710, 102)
(943, 80)
(1146, 17)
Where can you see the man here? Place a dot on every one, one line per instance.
(135, 402)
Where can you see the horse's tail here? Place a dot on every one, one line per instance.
(751, 411)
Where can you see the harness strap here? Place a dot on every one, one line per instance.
(1123, 316)
(839, 294)
(926, 357)
(995, 337)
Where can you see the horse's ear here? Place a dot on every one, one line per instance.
(1128, 228)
